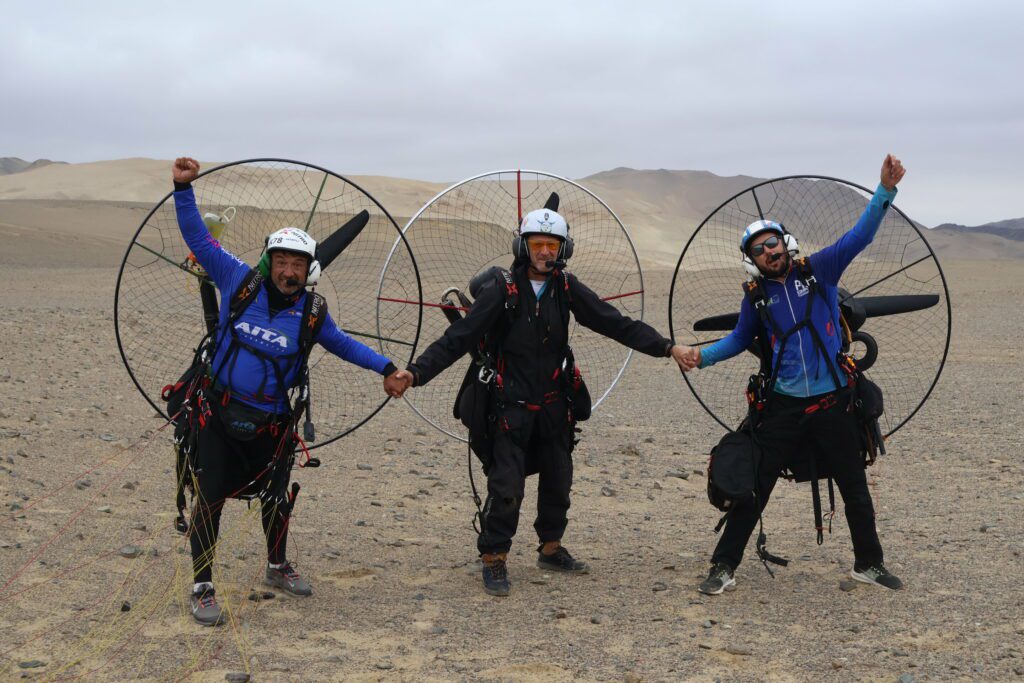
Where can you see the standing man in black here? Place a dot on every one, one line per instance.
(533, 420)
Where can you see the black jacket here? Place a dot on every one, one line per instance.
(532, 341)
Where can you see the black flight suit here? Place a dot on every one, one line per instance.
(535, 428)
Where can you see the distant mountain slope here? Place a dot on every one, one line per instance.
(1011, 229)
(661, 208)
(10, 165)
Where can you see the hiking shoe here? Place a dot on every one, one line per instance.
(496, 578)
(876, 574)
(205, 609)
(719, 579)
(561, 561)
(288, 580)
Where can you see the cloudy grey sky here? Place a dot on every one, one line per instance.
(443, 90)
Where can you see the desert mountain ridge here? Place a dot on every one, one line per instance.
(660, 207)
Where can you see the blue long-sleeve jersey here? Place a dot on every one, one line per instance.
(276, 336)
(802, 370)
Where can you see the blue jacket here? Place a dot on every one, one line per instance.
(275, 336)
(802, 370)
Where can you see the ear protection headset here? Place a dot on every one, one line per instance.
(788, 240)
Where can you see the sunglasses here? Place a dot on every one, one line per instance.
(769, 243)
(539, 244)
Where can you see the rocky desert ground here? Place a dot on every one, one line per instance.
(93, 579)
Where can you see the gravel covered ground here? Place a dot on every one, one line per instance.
(383, 531)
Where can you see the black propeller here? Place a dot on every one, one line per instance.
(331, 248)
(855, 309)
(552, 203)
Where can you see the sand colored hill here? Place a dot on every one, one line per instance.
(107, 200)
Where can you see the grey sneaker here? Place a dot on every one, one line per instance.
(876, 574)
(720, 579)
(205, 609)
(561, 561)
(288, 580)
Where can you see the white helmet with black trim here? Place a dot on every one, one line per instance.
(298, 242)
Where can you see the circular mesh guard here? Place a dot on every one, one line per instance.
(817, 211)
(159, 317)
(469, 227)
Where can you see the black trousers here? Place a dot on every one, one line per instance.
(528, 442)
(789, 438)
(227, 468)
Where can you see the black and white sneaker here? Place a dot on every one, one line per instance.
(204, 606)
(561, 561)
(720, 579)
(876, 574)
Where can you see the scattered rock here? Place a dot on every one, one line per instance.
(83, 484)
(659, 586)
(837, 665)
(364, 467)
(704, 646)
(258, 596)
(105, 508)
(630, 451)
(607, 491)
(237, 677)
(110, 437)
(130, 551)
(847, 585)
(707, 623)
(597, 619)
(128, 486)
(139, 527)
(739, 650)
(31, 664)
(126, 606)
(985, 528)
(907, 678)
(678, 474)
(631, 677)
(23, 453)
(384, 666)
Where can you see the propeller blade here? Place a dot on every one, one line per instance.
(876, 306)
(720, 323)
(331, 248)
(552, 203)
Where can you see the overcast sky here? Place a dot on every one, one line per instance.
(444, 90)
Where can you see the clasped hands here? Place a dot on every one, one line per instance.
(688, 357)
(397, 383)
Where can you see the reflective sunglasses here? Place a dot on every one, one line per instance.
(769, 243)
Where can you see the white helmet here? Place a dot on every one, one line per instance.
(299, 242)
(545, 222)
(756, 228)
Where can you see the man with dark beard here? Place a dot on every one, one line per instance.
(804, 416)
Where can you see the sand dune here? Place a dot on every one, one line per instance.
(106, 200)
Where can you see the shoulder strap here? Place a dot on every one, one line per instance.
(245, 294)
(314, 313)
(754, 292)
(506, 282)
